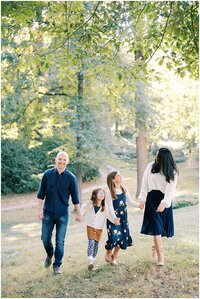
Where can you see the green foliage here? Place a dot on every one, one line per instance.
(46, 44)
(90, 172)
(182, 204)
(42, 156)
(16, 168)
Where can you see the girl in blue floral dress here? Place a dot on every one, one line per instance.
(117, 197)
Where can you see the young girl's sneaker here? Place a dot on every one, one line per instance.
(90, 266)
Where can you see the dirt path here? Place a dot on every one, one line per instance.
(20, 201)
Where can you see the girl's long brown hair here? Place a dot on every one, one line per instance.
(94, 198)
(110, 184)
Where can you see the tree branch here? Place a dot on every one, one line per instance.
(68, 37)
(53, 94)
(163, 35)
(192, 26)
(140, 13)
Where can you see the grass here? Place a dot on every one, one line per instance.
(23, 274)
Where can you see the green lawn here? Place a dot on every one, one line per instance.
(135, 276)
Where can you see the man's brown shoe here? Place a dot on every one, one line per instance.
(48, 262)
(57, 270)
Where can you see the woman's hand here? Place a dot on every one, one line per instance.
(161, 207)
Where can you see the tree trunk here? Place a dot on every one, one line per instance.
(79, 179)
(141, 139)
(78, 134)
(141, 113)
(142, 159)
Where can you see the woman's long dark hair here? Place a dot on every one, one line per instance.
(164, 162)
(94, 198)
(111, 185)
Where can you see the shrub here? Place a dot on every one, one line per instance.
(39, 154)
(16, 168)
(182, 204)
(90, 172)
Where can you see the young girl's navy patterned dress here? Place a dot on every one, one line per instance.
(118, 235)
(157, 223)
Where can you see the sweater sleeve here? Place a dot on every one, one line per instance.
(109, 205)
(169, 192)
(86, 207)
(130, 201)
(144, 189)
(108, 215)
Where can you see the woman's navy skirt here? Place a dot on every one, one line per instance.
(157, 223)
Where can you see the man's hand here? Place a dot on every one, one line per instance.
(40, 214)
(117, 221)
(78, 217)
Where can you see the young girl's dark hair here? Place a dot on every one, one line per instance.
(110, 184)
(164, 162)
(94, 198)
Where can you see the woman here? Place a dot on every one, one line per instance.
(157, 192)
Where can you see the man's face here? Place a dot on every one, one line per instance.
(61, 162)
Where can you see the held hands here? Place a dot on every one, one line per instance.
(78, 217)
(141, 206)
(117, 221)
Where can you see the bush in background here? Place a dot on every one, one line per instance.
(20, 165)
(90, 172)
(16, 167)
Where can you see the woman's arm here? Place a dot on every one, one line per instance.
(144, 189)
(169, 193)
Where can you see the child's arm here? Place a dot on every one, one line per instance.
(115, 221)
(86, 207)
(110, 209)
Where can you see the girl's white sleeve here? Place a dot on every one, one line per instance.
(86, 207)
(169, 192)
(108, 215)
(130, 201)
(109, 205)
(144, 189)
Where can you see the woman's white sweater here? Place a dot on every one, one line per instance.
(157, 181)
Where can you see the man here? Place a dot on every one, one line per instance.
(56, 186)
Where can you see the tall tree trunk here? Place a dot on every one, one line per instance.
(140, 113)
(141, 139)
(79, 179)
(142, 159)
(78, 134)
(117, 128)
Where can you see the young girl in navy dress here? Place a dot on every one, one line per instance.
(157, 192)
(117, 197)
(95, 214)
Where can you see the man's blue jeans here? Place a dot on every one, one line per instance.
(48, 224)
